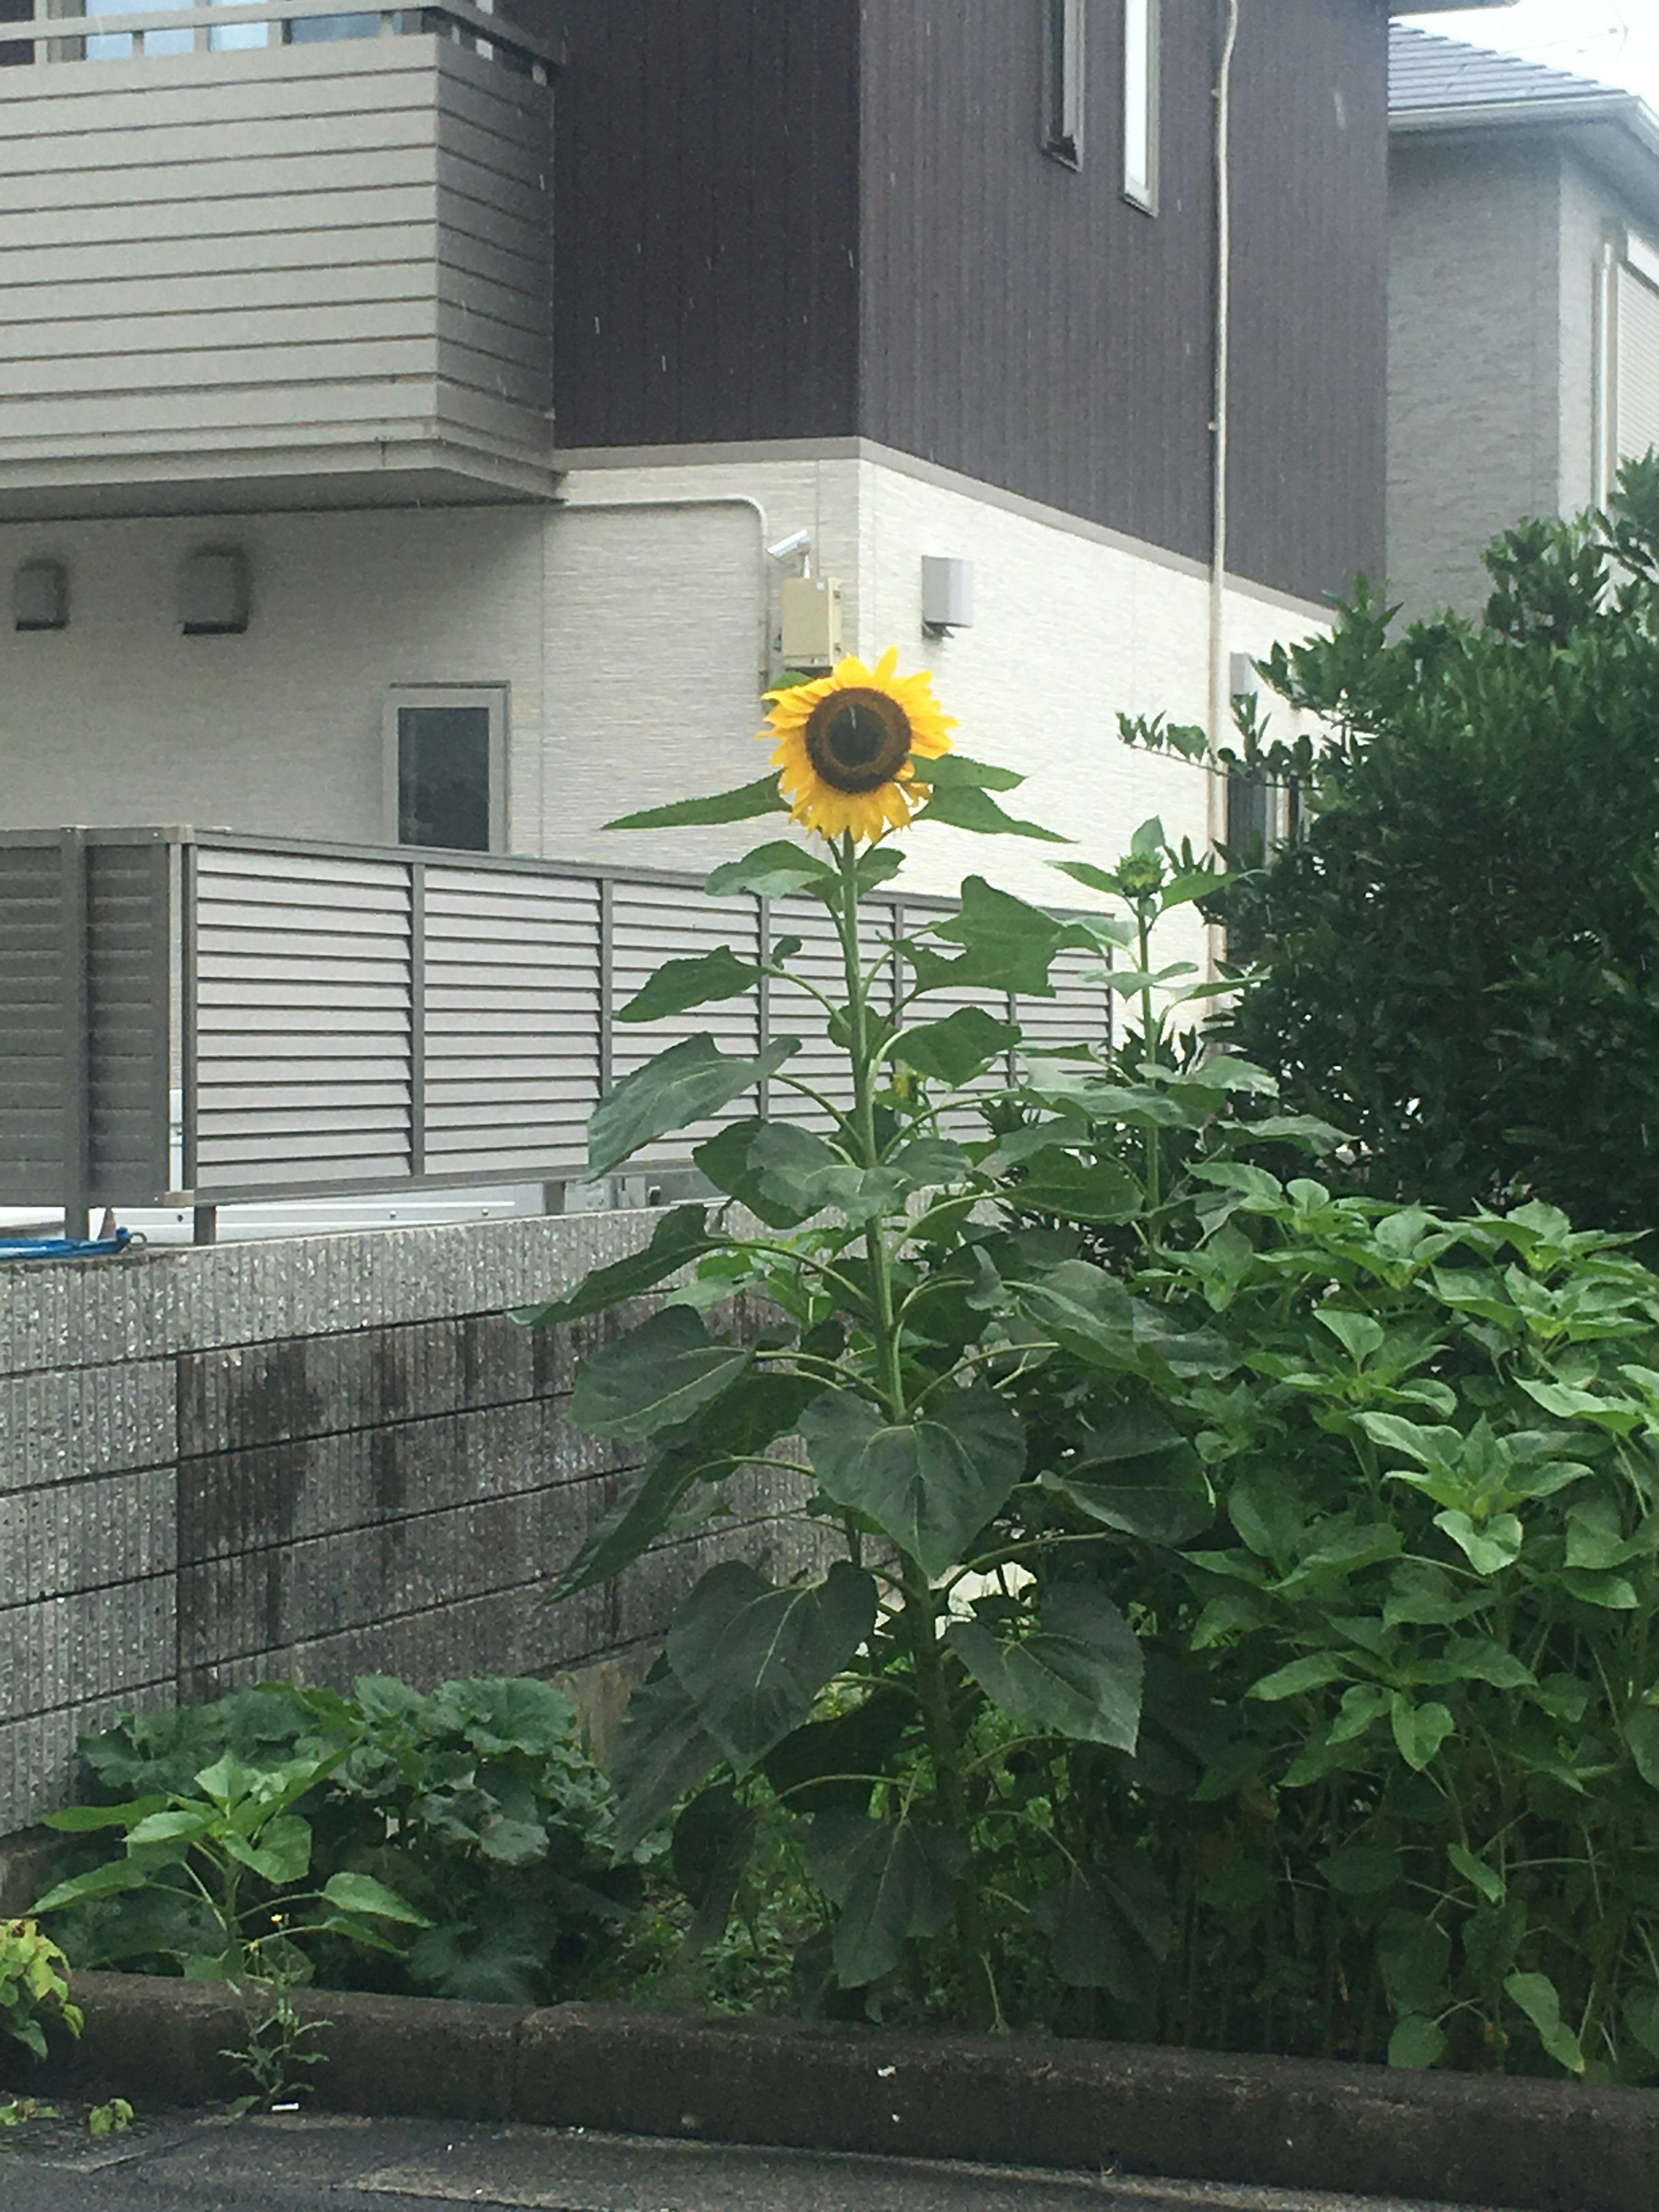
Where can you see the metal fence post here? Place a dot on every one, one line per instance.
(417, 1017)
(76, 1004)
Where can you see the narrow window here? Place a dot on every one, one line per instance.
(1063, 81)
(13, 12)
(1141, 102)
(447, 769)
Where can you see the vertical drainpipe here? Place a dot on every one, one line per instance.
(1220, 704)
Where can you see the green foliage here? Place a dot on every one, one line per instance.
(1461, 955)
(883, 1703)
(457, 1843)
(34, 1987)
(1394, 1777)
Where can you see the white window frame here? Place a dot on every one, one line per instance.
(1064, 67)
(1142, 50)
(494, 697)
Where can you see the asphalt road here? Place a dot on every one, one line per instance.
(328, 2163)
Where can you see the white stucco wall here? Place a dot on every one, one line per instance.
(628, 625)
(120, 718)
(1072, 625)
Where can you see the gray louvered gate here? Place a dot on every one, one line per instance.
(204, 1019)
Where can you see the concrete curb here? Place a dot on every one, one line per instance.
(1289, 2123)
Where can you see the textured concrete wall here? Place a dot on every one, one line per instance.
(1475, 432)
(318, 1457)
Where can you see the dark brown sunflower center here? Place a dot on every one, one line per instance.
(857, 739)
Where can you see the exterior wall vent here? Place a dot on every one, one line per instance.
(214, 598)
(40, 596)
(947, 595)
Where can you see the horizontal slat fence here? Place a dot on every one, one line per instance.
(290, 1020)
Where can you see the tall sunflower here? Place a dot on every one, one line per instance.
(845, 746)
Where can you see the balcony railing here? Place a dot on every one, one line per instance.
(197, 1019)
(114, 33)
(283, 243)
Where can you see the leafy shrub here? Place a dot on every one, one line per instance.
(1396, 1790)
(1461, 955)
(475, 1810)
(33, 1986)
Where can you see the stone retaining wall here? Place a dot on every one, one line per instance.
(314, 1457)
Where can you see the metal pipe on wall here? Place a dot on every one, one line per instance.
(1220, 704)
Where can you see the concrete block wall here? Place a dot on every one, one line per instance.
(315, 1457)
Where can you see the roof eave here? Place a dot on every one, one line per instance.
(1615, 134)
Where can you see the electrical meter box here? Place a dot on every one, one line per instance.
(812, 621)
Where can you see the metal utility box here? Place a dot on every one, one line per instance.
(812, 621)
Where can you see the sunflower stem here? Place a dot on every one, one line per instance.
(920, 1610)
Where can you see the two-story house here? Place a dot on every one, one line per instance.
(398, 405)
(1524, 310)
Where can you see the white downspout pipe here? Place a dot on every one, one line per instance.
(1220, 706)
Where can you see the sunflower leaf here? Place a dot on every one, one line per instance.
(679, 985)
(678, 1238)
(931, 1483)
(965, 806)
(956, 1049)
(954, 771)
(1078, 1673)
(761, 797)
(686, 1083)
(1007, 946)
(771, 870)
(654, 1378)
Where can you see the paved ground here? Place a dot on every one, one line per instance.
(195, 2164)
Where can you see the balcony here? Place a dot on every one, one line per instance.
(265, 251)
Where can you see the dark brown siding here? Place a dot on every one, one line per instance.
(1023, 322)
(804, 218)
(707, 220)
(1310, 293)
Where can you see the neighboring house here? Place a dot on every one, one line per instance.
(1524, 303)
(352, 445)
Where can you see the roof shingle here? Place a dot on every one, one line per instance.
(1426, 71)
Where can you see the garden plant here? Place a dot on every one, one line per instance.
(1459, 954)
(1228, 1613)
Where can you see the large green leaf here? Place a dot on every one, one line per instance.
(362, 1894)
(1537, 1996)
(954, 771)
(836, 1761)
(1109, 1925)
(1641, 1727)
(761, 797)
(1158, 1491)
(753, 1658)
(932, 1482)
(1080, 1673)
(772, 871)
(282, 1852)
(678, 1239)
(654, 1378)
(1087, 1311)
(1007, 946)
(679, 985)
(1098, 1191)
(890, 1880)
(753, 1412)
(723, 1158)
(965, 806)
(799, 1169)
(685, 1085)
(957, 1049)
(662, 1750)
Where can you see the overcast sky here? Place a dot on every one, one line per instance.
(1616, 40)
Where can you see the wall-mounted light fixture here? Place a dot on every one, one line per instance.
(40, 596)
(214, 597)
(947, 595)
